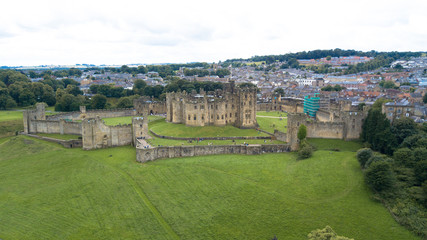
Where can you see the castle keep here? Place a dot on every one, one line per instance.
(231, 106)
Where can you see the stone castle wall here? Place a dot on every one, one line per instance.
(151, 154)
(148, 106)
(59, 127)
(96, 134)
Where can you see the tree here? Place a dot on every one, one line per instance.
(67, 102)
(363, 156)
(6, 101)
(124, 102)
(380, 176)
(403, 128)
(279, 91)
(325, 234)
(302, 132)
(404, 156)
(99, 101)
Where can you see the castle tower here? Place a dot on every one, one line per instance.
(40, 111)
(294, 121)
(139, 128)
(88, 134)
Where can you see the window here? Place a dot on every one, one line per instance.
(189, 117)
(390, 114)
(231, 115)
(390, 109)
(399, 111)
(194, 117)
(203, 116)
(202, 107)
(250, 103)
(232, 106)
(217, 117)
(407, 114)
(222, 116)
(195, 106)
(235, 114)
(226, 106)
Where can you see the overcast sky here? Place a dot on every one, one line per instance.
(156, 31)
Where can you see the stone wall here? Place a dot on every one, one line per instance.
(281, 136)
(98, 135)
(60, 127)
(151, 154)
(148, 106)
(73, 143)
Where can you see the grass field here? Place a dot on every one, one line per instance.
(59, 136)
(126, 120)
(49, 192)
(271, 113)
(162, 127)
(269, 121)
(10, 123)
(10, 115)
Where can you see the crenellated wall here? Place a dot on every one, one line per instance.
(151, 154)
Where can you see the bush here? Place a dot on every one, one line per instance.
(374, 158)
(363, 155)
(324, 234)
(305, 150)
(380, 176)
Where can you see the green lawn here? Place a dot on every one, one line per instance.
(59, 136)
(270, 124)
(272, 113)
(50, 192)
(126, 120)
(162, 127)
(335, 144)
(10, 115)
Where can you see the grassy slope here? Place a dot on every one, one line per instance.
(10, 122)
(105, 194)
(59, 136)
(180, 130)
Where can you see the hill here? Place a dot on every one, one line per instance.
(49, 192)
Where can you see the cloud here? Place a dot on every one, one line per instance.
(111, 32)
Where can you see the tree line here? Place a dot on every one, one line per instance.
(395, 166)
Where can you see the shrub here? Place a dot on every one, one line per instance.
(363, 155)
(305, 150)
(380, 176)
(374, 158)
(302, 132)
(324, 234)
(404, 156)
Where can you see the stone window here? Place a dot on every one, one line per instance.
(203, 116)
(231, 115)
(390, 109)
(226, 116)
(226, 106)
(222, 116)
(235, 114)
(140, 125)
(202, 107)
(189, 117)
(246, 96)
(194, 117)
(232, 106)
(195, 106)
(250, 104)
(399, 111)
(217, 117)
(211, 116)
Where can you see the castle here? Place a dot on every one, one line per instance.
(231, 106)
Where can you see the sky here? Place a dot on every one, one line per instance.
(179, 31)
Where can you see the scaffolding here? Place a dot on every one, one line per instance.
(311, 105)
